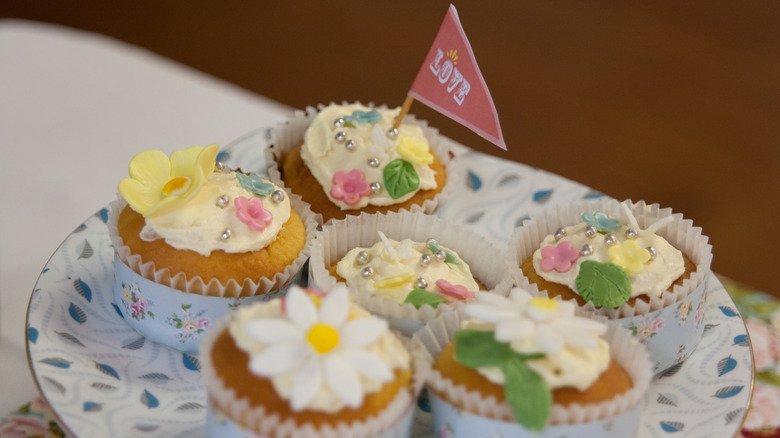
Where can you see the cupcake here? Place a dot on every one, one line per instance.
(347, 159)
(192, 243)
(639, 265)
(408, 267)
(526, 365)
(310, 364)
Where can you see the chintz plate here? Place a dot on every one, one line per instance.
(101, 378)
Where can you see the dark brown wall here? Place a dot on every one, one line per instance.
(676, 102)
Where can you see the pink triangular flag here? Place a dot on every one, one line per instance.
(450, 82)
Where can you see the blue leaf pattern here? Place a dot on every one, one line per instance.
(56, 362)
(107, 370)
(118, 311)
(92, 406)
(103, 215)
(726, 365)
(728, 311)
(77, 314)
(149, 400)
(83, 289)
(32, 334)
(190, 362)
(473, 181)
(742, 340)
(542, 196)
(87, 251)
(672, 426)
(728, 391)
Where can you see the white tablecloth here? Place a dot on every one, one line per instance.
(74, 108)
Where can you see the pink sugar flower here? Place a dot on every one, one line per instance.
(454, 290)
(349, 187)
(251, 212)
(559, 258)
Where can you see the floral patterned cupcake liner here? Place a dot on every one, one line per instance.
(224, 407)
(617, 417)
(670, 326)
(336, 238)
(289, 134)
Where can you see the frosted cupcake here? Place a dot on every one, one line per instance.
(192, 243)
(640, 265)
(407, 267)
(528, 366)
(347, 159)
(310, 364)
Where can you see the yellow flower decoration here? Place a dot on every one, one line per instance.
(629, 256)
(417, 152)
(158, 185)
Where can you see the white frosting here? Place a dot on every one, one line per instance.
(575, 353)
(656, 276)
(324, 156)
(402, 261)
(199, 223)
(387, 349)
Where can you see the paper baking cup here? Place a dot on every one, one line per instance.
(289, 134)
(670, 325)
(175, 310)
(337, 238)
(618, 417)
(231, 417)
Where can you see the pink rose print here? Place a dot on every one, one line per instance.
(559, 258)
(251, 212)
(457, 291)
(349, 187)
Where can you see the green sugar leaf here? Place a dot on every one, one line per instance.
(255, 184)
(451, 257)
(419, 297)
(527, 394)
(400, 178)
(603, 284)
(479, 348)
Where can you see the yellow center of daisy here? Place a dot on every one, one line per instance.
(394, 281)
(177, 186)
(545, 304)
(323, 338)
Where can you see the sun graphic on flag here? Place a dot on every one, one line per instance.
(453, 55)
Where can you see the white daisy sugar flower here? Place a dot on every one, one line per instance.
(535, 324)
(318, 345)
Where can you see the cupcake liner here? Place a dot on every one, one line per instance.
(288, 135)
(235, 414)
(196, 285)
(617, 417)
(337, 238)
(664, 324)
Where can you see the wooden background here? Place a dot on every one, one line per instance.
(675, 102)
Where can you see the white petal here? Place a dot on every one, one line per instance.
(520, 296)
(278, 358)
(362, 331)
(513, 330)
(367, 364)
(299, 308)
(306, 383)
(548, 339)
(334, 308)
(579, 339)
(492, 299)
(343, 380)
(489, 313)
(541, 314)
(273, 330)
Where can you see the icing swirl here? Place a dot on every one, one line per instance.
(358, 147)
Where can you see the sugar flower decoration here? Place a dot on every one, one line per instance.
(319, 345)
(629, 256)
(457, 291)
(535, 324)
(559, 258)
(158, 185)
(251, 212)
(359, 116)
(349, 187)
(417, 152)
(601, 221)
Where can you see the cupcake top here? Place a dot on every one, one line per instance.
(531, 345)
(607, 261)
(320, 351)
(359, 160)
(192, 207)
(409, 271)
